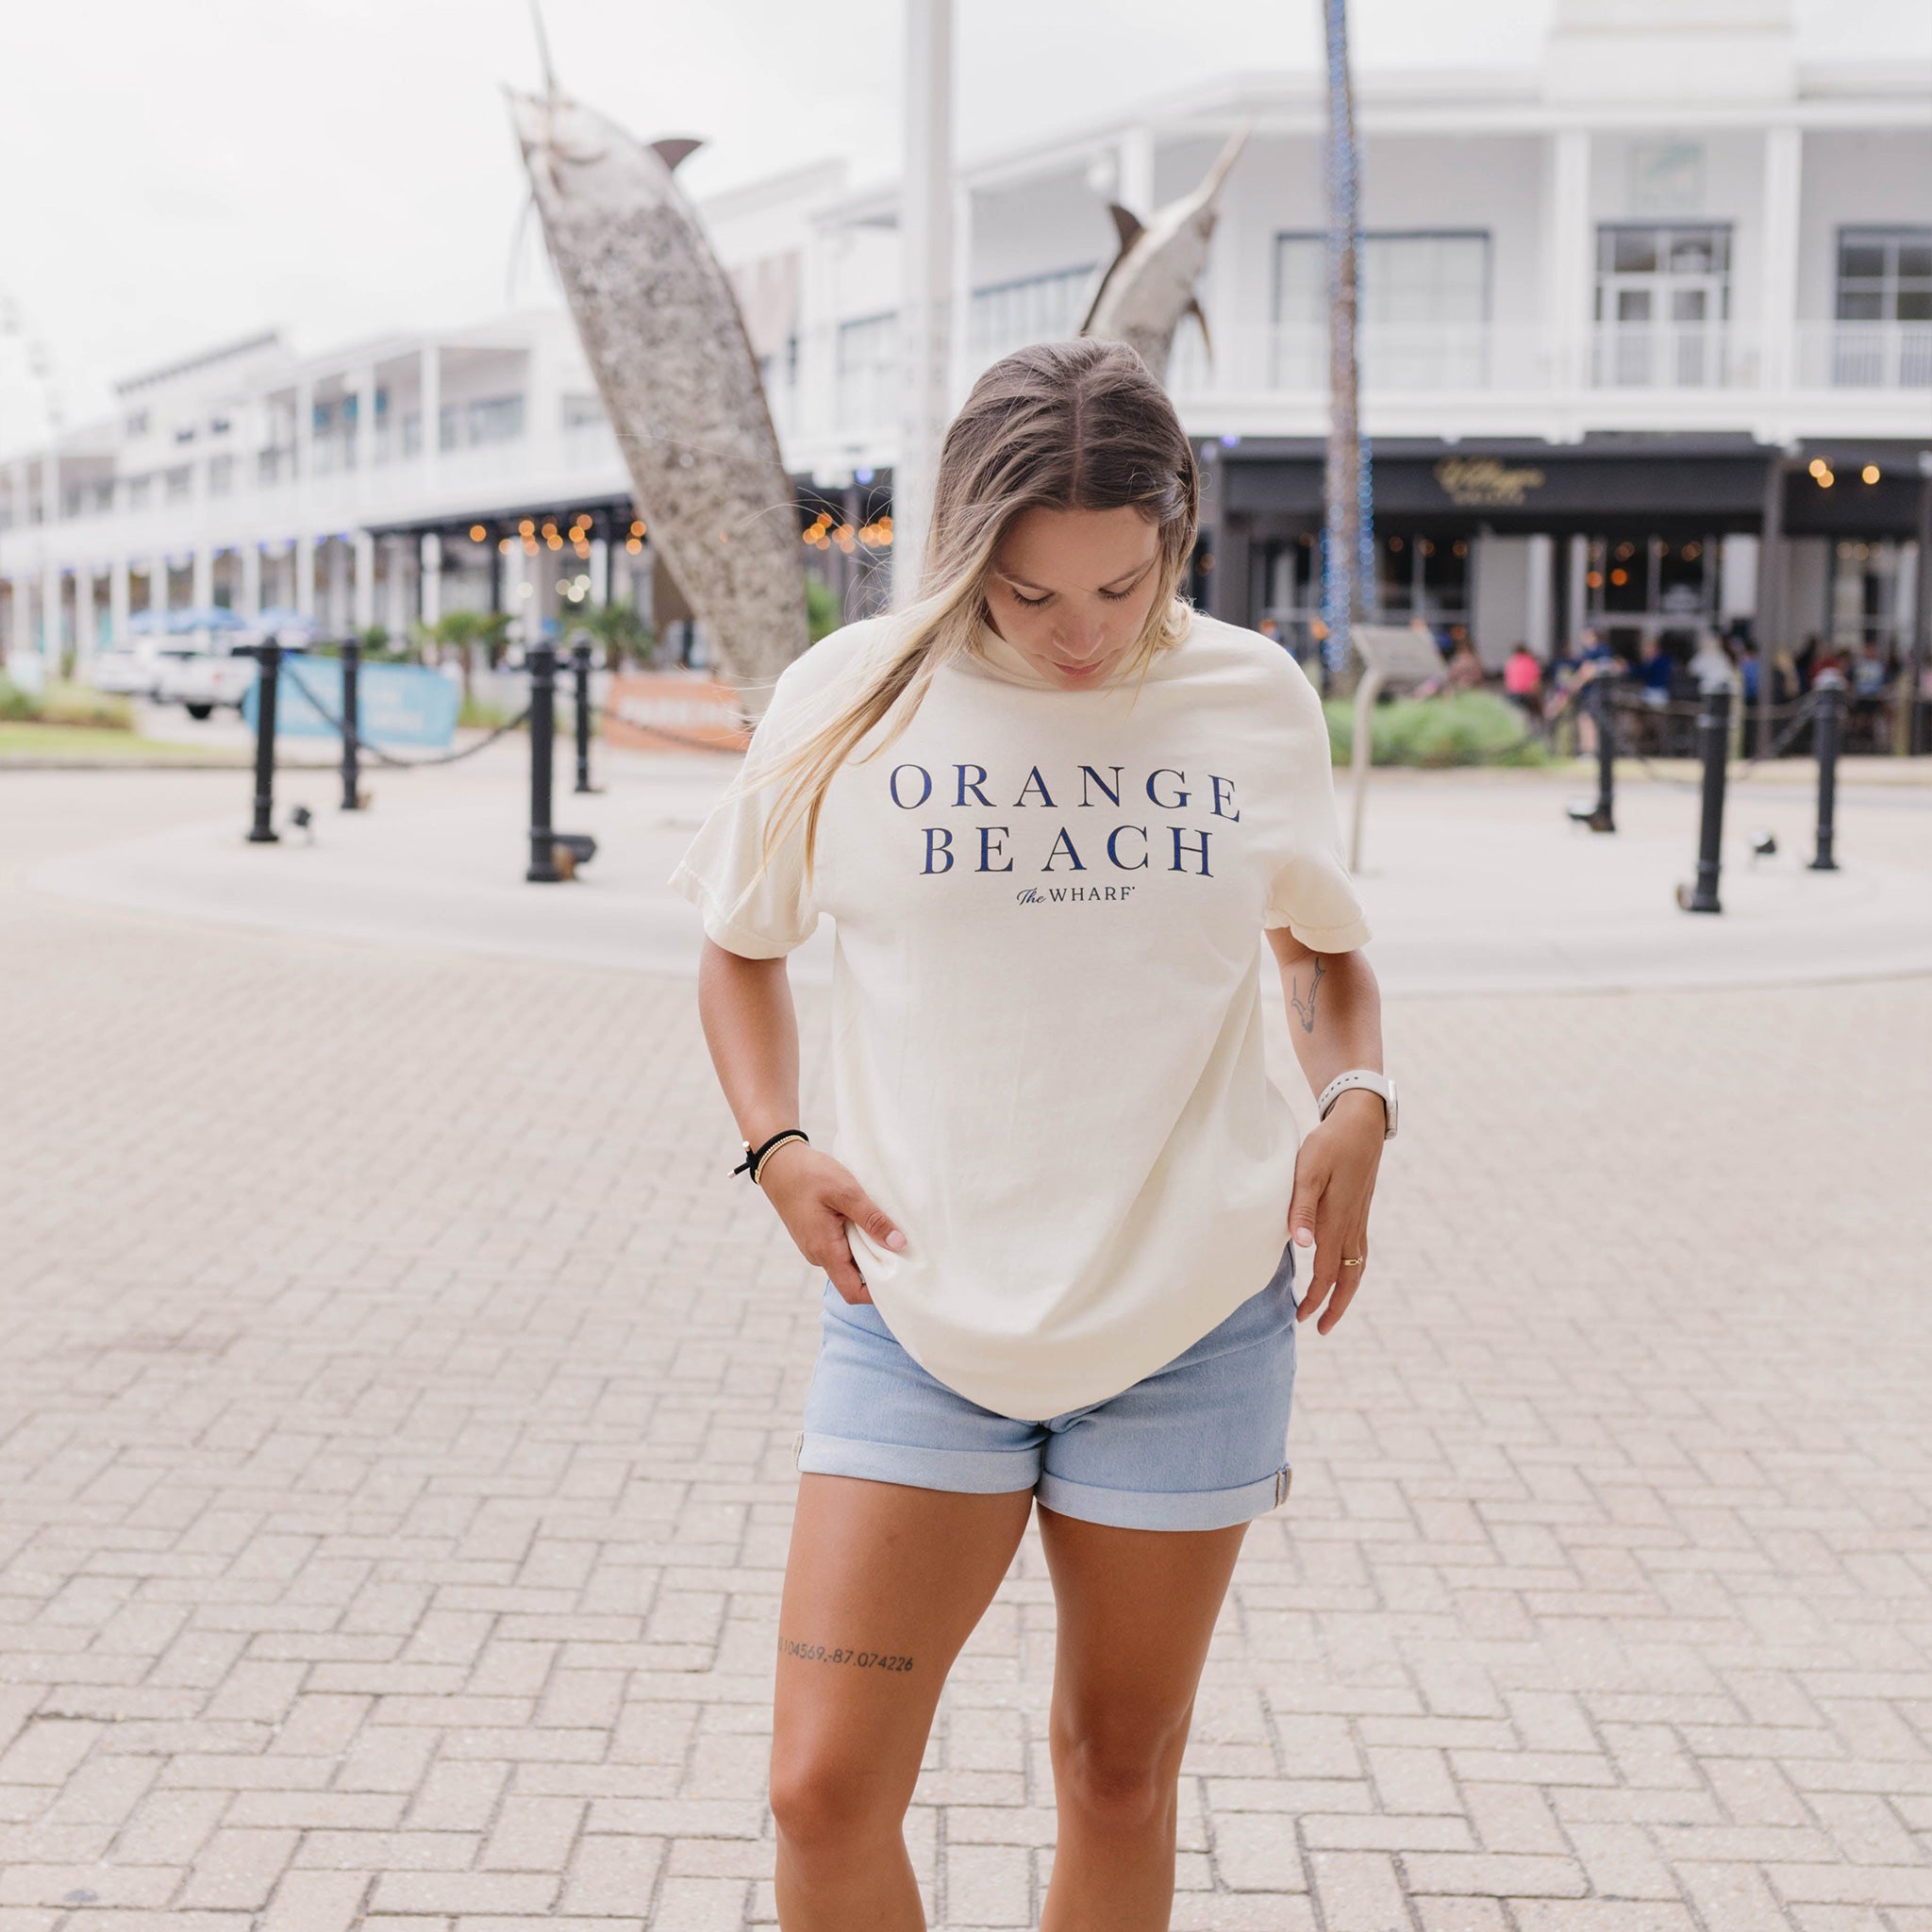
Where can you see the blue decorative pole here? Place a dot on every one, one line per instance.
(1348, 536)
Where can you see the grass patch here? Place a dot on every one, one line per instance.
(27, 743)
(1468, 728)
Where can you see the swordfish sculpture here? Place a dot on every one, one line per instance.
(1150, 284)
(662, 333)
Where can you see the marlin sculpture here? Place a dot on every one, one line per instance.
(1150, 284)
(662, 333)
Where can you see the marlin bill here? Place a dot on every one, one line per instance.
(661, 331)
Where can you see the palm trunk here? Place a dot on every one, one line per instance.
(1348, 538)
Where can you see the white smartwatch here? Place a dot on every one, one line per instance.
(1361, 1077)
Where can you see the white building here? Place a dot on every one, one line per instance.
(1622, 308)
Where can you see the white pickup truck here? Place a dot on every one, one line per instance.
(202, 680)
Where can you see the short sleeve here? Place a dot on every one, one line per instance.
(1311, 893)
(756, 904)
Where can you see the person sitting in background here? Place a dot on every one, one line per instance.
(1871, 672)
(1654, 669)
(1465, 669)
(1522, 678)
(1711, 665)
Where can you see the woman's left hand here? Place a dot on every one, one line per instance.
(1334, 1181)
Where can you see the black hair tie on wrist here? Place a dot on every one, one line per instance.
(756, 1158)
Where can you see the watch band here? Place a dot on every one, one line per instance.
(1380, 1084)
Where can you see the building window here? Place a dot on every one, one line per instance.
(137, 423)
(1033, 309)
(1663, 301)
(1883, 335)
(139, 492)
(582, 412)
(487, 420)
(221, 475)
(1423, 309)
(868, 370)
(180, 484)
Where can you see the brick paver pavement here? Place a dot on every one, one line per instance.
(395, 1408)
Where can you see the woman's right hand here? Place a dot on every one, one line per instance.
(816, 1196)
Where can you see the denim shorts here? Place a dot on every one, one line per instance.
(1198, 1444)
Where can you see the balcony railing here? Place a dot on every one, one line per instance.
(1864, 355)
(1671, 355)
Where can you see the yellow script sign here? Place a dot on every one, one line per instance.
(1483, 483)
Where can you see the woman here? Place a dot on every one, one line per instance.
(1052, 812)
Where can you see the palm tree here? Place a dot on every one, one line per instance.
(1348, 554)
(461, 631)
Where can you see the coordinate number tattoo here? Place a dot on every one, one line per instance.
(859, 1659)
(1305, 1009)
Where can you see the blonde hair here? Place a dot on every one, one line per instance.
(1076, 425)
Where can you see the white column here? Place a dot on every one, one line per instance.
(158, 583)
(50, 570)
(83, 619)
(204, 592)
(21, 643)
(1536, 613)
(1571, 253)
(305, 574)
(600, 571)
(249, 595)
(363, 383)
(305, 431)
(340, 554)
(365, 579)
(1578, 596)
(1784, 152)
(395, 614)
(431, 554)
(430, 405)
(118, 603)
(926, 266)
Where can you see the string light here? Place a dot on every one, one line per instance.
(1870, 473)
(478, 533)
(633, 544)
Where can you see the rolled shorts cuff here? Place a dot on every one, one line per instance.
(969, 1471)
(1165, 1509)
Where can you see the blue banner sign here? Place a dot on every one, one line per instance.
(398, 704)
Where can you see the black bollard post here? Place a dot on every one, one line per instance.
(1603, 698)
(580, 665)
(1713, 744)
(541, 658)
(351, 726)
(269, 656)
(1826, 727)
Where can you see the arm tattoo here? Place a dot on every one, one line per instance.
(1305, 1009)
(830, 1654)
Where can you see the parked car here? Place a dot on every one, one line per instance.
(202, 680)
(128, 671)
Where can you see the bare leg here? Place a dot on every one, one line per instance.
(1135, 1610)
(882, 1587)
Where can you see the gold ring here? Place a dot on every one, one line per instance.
(1355, 1261)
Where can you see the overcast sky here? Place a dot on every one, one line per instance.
(178, 175)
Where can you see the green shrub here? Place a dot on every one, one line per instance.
(823, 611)
(1467, 728)
(66, 704)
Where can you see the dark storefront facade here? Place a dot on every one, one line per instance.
(1626, 535)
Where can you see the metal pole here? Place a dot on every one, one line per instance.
(1830, 689)
(269, 656)
(1921, 624)
(544, 869)
(925, 269)
(580, 666)
(352, 726)
(1603, 696)
(1358, 756)
(1346, 517)
(1771, 578)
(1713, 741)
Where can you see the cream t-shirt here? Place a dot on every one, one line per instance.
(1047, 991)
